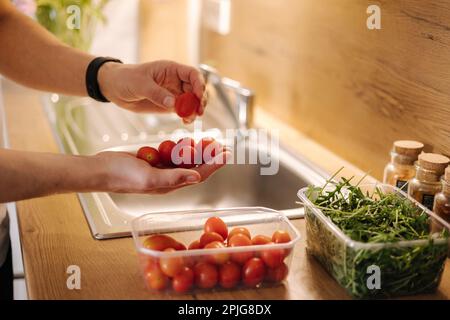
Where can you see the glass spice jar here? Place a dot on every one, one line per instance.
(442, 200)
(426, 184)
(401, 169)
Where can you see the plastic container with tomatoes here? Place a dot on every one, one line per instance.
(187, 251)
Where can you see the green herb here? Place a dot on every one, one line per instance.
(382, 219)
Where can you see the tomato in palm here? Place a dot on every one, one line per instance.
(211, 151)
(260, 240)
(273, 258)
(183, 281)
(240, 240)
(184, 156)
(171, 266)
(229, 275)
(208, 237)
(281, 236)
(218, 258)
(155, 278)
(253, 272)
(195, 245)
(186, 104)
(206, 275)
(160, 242)
(165, 152)
(204, 149)
(215, 224)
(239, 230)
(149, 154)
(277, 274)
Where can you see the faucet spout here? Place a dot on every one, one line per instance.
(242, 108)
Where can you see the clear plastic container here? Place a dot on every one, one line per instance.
(352, 263)
(187, 226)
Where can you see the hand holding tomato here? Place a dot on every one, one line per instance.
(153, 86)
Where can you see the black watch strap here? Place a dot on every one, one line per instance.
(92, 86)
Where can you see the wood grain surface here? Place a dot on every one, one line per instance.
(55, 234)
(315, 65)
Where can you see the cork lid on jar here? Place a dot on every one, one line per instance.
(408, 148)
(434, 162)
(447, 174)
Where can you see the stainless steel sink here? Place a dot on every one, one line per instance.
(85, 127)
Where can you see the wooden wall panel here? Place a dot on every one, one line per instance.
(315, 65)
(163, 30)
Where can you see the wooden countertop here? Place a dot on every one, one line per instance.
(55, 234)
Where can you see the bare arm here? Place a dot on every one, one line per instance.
(32, 56)
(33, 174)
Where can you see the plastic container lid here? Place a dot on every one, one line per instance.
(433, 161)
(408, 147)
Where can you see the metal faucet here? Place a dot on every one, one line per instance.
(243, 100)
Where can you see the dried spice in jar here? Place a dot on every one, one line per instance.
(427, 182)
(401, 169)
(442, 200)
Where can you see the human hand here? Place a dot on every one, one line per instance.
(151, 87)
(127, 174)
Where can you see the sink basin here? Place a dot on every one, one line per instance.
(235, 185)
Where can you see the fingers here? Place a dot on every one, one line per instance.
(173, 178)
(159, 96)
(193, 77)
(193, 81)
(213, 165)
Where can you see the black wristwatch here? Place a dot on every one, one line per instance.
(92, 86)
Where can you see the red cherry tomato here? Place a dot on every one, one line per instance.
(171, 266)
(179, 246)
(277, 274)
(184, 156)
(195, 245)
(253, 272)
(215, 224)
(273, 258)
(206, 275)
(208, 237)
(239, 230)
(219, 258)
(155, 278)
(186, 104)
(149, 154)
(202, 145)
(183, 281)
(260, 240)
(211, 151)
(160, 242)
(240, 240)
(281, 236)
(229, 275)
(165, 152)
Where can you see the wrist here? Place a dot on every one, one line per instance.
(88, 174)
(106, 79)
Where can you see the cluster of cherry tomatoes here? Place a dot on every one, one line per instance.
(227, 270)
(183, 154)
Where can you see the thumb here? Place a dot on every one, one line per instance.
(159, 96)
(170, 178)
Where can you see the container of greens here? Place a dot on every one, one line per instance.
(373, 239)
